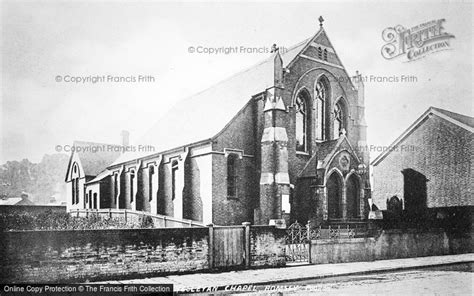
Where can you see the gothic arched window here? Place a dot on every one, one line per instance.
(116, 187)
(325, 54)
(320, 53)
(75, 184)
(321, 98)
(174, 170)
(132, 180)
(339, 120)
(301, 109)
(232, 176)
(151, 171)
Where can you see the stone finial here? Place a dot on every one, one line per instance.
(321, 20)
(274, 48)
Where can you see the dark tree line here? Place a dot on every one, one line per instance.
(41, 181)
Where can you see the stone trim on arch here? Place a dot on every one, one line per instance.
(353, 173)
(296, 92)
(344, 179)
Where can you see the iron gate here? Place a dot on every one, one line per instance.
(299, 236)
(297, 243)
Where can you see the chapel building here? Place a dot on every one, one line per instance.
(280, 140)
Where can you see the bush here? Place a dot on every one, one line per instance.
(146, 222)
(50, 220)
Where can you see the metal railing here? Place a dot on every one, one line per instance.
(300, 233)
(131, 215)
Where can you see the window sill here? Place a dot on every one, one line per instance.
(302, 153)
(232, 198)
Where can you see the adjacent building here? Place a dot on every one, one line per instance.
(427, 171)
(23, 200)
(86, 168)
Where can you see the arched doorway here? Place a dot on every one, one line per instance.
(353, 197)
(415, 194)
(334, 191)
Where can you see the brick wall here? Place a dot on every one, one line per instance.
(240, 135)
(192, 199)
(340, 86)
(267, 246)
(62, 256)
(78, 256)
(440, 151)
(165, 202)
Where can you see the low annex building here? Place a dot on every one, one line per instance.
(276, 141)
(427, 172)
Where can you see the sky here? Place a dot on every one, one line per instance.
(43, 40)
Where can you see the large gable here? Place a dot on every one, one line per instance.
(321, 50)
(460, 120)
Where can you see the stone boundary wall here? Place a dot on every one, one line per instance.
(390, 244)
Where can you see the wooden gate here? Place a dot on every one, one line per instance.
(228, 246)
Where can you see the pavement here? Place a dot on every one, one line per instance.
(198, 281)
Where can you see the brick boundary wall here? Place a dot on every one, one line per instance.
(90, 255)
(267, 246)
(71, 256)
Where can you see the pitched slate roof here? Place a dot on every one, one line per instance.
(18, 201)
(202, 116)
(95, 157)
(460, 120)
(100, 177)
(467, 120)
(10, 201)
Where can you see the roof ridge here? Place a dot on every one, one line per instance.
(451, 113)
(415, 124)
(253, 66)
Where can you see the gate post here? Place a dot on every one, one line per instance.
(210, 247)
(308, 237)
(247, 243)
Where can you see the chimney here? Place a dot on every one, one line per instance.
(125, 138)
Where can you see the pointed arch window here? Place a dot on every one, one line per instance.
(321, 99)
(232, 176)
(301, 122)
(132, 181)
(151, 171)
(174, 170)
(75, 184)
(116, 187)
(339, 120)
(325, 54)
